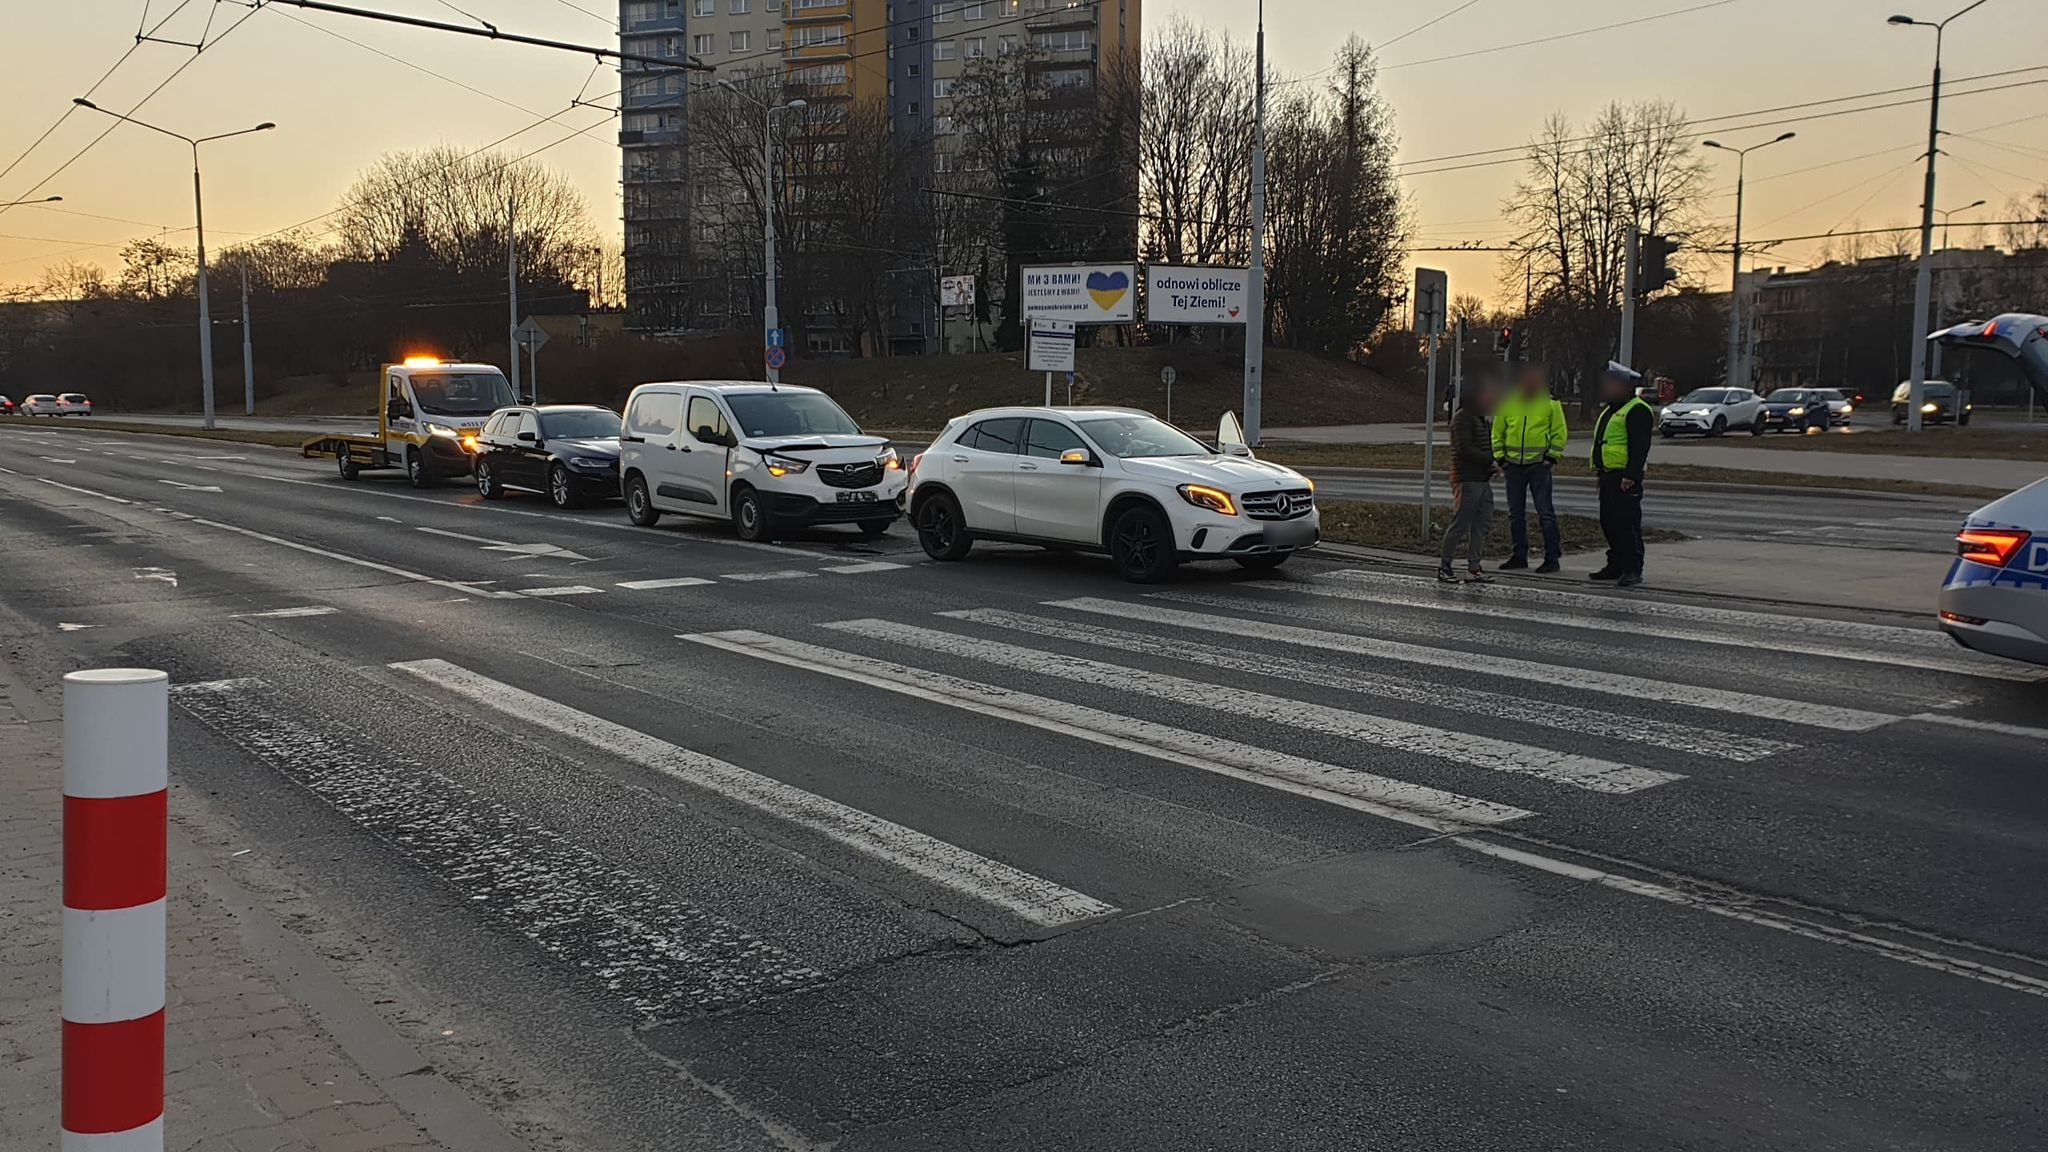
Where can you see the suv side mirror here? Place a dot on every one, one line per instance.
(1078, 456)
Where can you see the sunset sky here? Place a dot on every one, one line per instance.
(338, 105)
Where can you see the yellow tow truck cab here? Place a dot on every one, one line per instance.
(428, 417)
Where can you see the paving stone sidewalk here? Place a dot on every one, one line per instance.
(247, 1069)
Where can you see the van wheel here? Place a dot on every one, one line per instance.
(346, 465)
(416, 469)
(1141, 545)
(749, 519)
(941, 531)
(487, 484)
(639, 506)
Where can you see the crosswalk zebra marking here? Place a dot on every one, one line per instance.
(1030, 898)
(1416, 805)
(1502, 706)
(1588, 772)
(1557, 675)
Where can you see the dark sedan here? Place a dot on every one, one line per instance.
(1795, 409)
(567, 452)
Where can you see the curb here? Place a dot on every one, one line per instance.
(1347, 470)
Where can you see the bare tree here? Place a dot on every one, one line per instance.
(455, 205)
(1194, 156)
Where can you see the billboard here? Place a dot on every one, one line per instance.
(956, 291)
(1195, 295)
(1082, 293)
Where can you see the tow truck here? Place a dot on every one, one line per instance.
(427, 423)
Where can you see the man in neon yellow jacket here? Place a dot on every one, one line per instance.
(1528, 440)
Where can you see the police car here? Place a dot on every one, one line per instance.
(1995, 599)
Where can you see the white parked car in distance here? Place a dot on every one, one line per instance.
(1112, 480)
(41, 404)
(768, 458)
(1712, 412)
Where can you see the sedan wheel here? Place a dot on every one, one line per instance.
(562, 488)
(487, 481)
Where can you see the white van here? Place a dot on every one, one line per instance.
(768, 457)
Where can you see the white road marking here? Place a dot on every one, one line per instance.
(1557, 675)
(286, 613)
(191, 487)
(560, 590)
(2019, 730)
(467, 588)
(551, 551)
(1397, 800)
(662, 955)
(778, 574)
(1736, 908)
(668, 582)
(1501, 706)
(865, 566)
(1897, 647)
(391, 519)
(1019, 893)
(1588, 772)
(74, 627)
(55, 460)
(458, 535)
(163, 574)
(83, 491)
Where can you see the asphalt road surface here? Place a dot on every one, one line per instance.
(682, 844)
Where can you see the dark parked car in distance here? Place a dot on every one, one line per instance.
(1797, 410)
(567, 452)
(1940, 403)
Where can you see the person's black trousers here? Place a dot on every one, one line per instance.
(1621, 521)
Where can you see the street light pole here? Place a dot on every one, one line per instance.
(1255, 279)
(199, 234)
(771, 317)
(1735, 253)
(248, 348)
(38, 200)
(1923, 281)
(1948, 212)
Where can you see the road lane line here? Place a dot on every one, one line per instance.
(182, 486)
(83, 491)
(1557, 675)
(666, 582)
(1416, 805)
(662, 955)
(1895, 647)
(865, 566)
(560, 590)
(1570, 769)
(1501, 706)
(778, 574)
(1030, 898)
(286, 613)
(460, 536)
(2019, 730)
(1743, 909)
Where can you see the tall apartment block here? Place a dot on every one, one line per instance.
(687, 225)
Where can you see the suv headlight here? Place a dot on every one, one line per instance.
(783, 465)
(889, 460)
(1203, 496)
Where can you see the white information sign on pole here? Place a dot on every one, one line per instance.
(1052, 345)
(956, 292)
(1193, 295)
(1081, 293)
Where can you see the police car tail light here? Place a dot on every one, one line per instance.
(1993, 546)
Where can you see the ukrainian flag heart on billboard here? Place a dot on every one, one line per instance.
(1108, 289)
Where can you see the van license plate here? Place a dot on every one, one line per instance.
(856, 497)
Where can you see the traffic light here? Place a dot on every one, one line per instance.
(1518, 343)
(1655, 270)
(1503, 340)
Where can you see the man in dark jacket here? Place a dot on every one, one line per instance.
(1471, 487)
(1621, 452)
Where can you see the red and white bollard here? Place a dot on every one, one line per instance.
(116, 769)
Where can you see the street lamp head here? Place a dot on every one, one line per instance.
(1973, 204)
(54, 199)
(82, 102)
(267, 126)
(1713, 144)
(1786, 136)
(1902, 20)
(799, 102)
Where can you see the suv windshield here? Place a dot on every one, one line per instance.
(1705, 396)
(462, 393)
(1133, 436)
(790, 414)
(580, 424)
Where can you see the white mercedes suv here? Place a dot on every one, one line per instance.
(1113, 480)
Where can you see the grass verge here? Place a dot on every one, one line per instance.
(1410, 456)
(1397, 528)
(1940, 440)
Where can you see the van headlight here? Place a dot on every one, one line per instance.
(1203, 496)
(783, 466)
(439, 430)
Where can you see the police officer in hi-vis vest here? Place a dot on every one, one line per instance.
(1621, 449)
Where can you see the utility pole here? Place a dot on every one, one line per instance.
(1628, 296)
(512, 285)
(1736, 377)
(248, 348)
(1255, 282)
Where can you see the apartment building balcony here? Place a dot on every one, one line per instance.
(800, 12)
